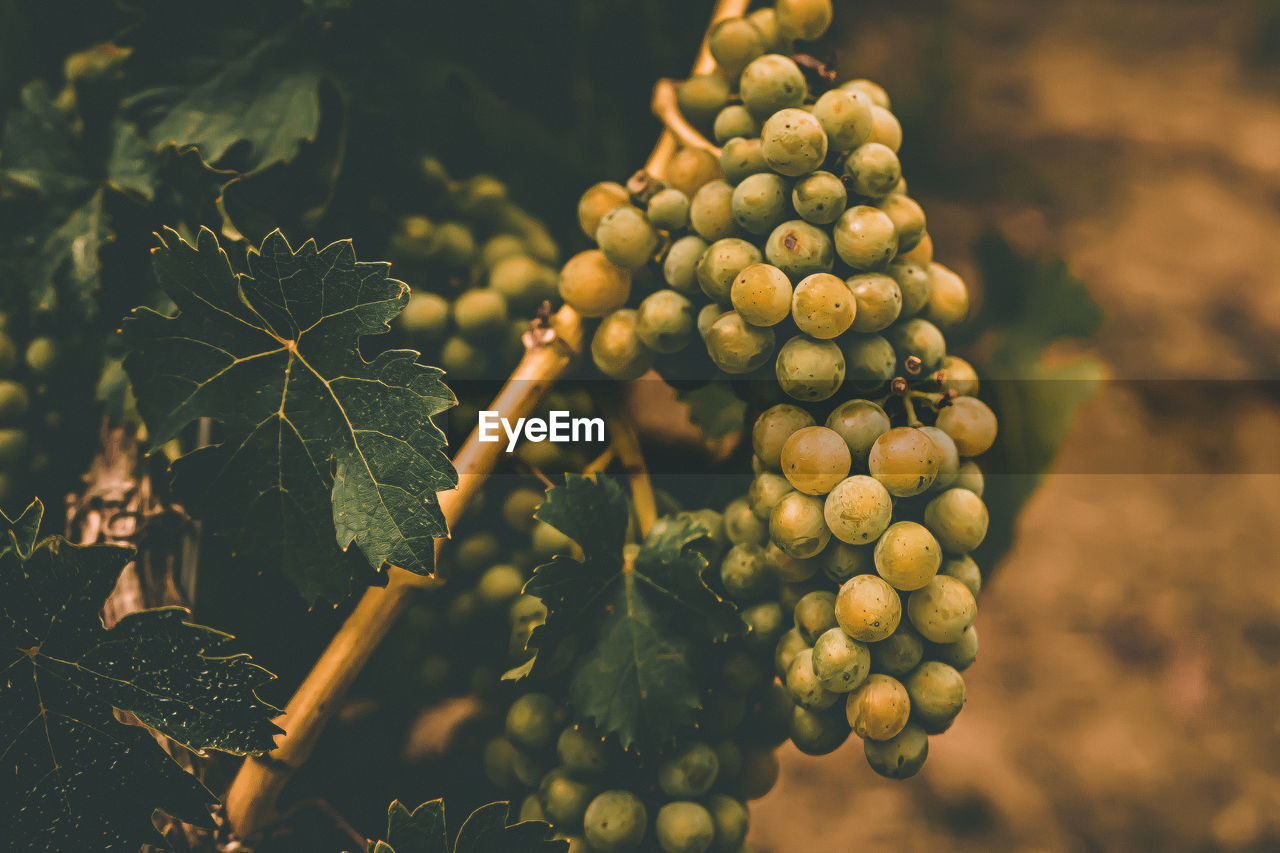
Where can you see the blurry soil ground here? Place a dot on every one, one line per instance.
(1125, 694)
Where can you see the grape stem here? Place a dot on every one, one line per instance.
(912, 420)
(626, 446)
(667, 108)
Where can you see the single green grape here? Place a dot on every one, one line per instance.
(525, 282)
(701, 98)
(789, 645)
(771, 430)
(879, 709)
(564, 799)
(864, 238)
(960, 376)
(937, 695)
(741, 157)
(770, 83)
(707, 316)
(919, 338)
(459, 357)
(761, 293)
(742, 526)
(907, 217)
(744, 573)
(867, 608)
(814, 614)
(615, 822)
(805, 687)
(879, 301)
(948, 461)
(499, 247)
(476, 552)
(942, 609)
(598, 200)
(846, 118)
(797, 527)
(577, 844)
(616, 347)
(765, 620)
(898, 653)
(691, 168)
(969, 476)
(822, 306)
(859, 423)
(41, 355)
(818, 732)
(805, 20)
(668, 208)
(411, 240)
(809, 370)
(760, 202)
(959, 519)
(961, 654)
(869, 361)
(970, 423)
(819, 198)
(730, 818)
(482, 198)
(627, 238)
(690, 771)
(901, 756)
(790, 570)
(906, 460)
(480, 313)
(841, 561)
(734, 42)
(547, 541)
(765, 492)
(665, 321)
(908, 555)
(721, 263)
(498, 759)
(874, 91)
(711, 211)
(684, 827)
(814, 459)
(874, 169)
(680, 266)
(736, 346)
(735, 121)
(531, 809)
(425, 317)
(840, 662)
(531, 721)
(581, 751)
(766, 21)
(913, 283)
(799, 249)
(499, 585)
(858, 509)
(592, 285)
(948, 304)
(793, 142)
(13, 447)
(885, 129)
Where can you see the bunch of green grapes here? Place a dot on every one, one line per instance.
(479, 266)
(29, 416)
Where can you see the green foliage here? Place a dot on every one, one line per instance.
(322, 448)
(642, 622)
(75, 777)
(485, 831)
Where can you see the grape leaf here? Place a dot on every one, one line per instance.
(485, 831)
(651, 615)
(321, 448)
(714, 408)
(75, 777)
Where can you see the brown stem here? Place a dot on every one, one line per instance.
(626, 444)
(666, 107)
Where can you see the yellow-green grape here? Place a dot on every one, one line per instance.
(742, 157)
(564, 800)
(523, 281)
(859, 423)
(874, 169)
(867, 608)
(770, 83)
(735, 121)
(531, 808)
(13, 446)
(970, 423)
(766, 21)
(547, 541)
(793, 142)
(765, 622)
(907, 217)
(840, 662)
(499, 585)
(41, 355)
(477, 551)
(665, 321)
(949, 461)
(744, 573)
(879, 709)
(948, 297)
(898, 653)
(701, 97)
(907, 555)
(858, 509)
(481, 197)
(799, 249)
(592, 285)
(690, 168)
(627, 238)
(730, 818)
(797, 527)
(919, 338)
(500, 247)
(921, 254)
(814, 459)
(707, 316)
(789, 645)
(906, 460)
(425, 317)
(969, 476)
(885, 129)
(846, 118)
(803, 19)
(531, 721)
(865, 238)
(581, 751)
(684, 827)
(452, 244)
(789, 569)
(480, 313)
(711, 211)
(668, 209)
(760, 202)
(818, 732)
(528, 767)
(901, 756)
(771, 430)
(959, 519)
(538, 241)
(689, 771)
(761, 293)
(819, 198)
(721, 263)
(822, 306)
(815, 614)
(577, 844)
(879, 301)
(766, 491)
(680, 266)
(615, 822)
(960, 376)
(913, 283)
(616, 347)
(411, 239)
(942, 609)
(961, 654)
(462, 359)
(736, 346)
(598, 200)
(842, 561)
(498, 759)
(936, 690)
(735, 42)
(805, 686)
(874, 91)
(809, 370)
(869, 361)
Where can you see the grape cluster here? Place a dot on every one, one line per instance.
(25, 367)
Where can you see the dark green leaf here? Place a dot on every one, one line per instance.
(321, 448)
(714, 408)
(75, 778)
(485, 831)
(131, 165)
